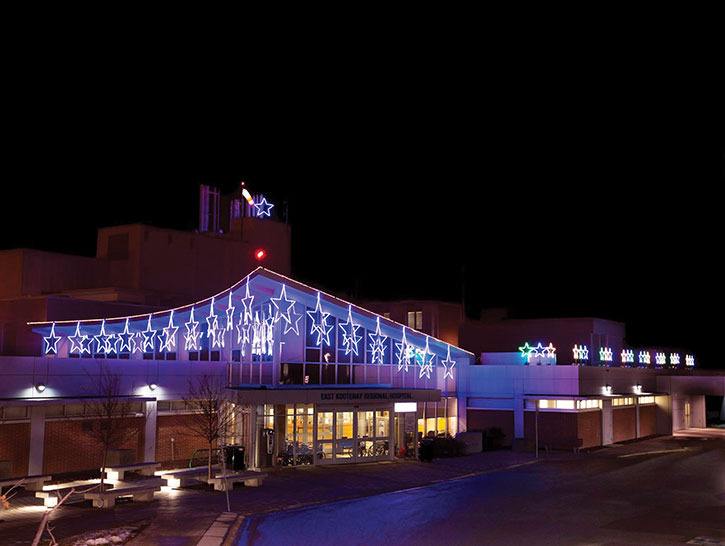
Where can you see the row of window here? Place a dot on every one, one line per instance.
(590, 404)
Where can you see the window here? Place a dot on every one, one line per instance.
(646, 400)
(626, 401)
(556, 404)
(415, 320)
(588, 404)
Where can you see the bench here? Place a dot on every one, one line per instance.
(184, 476)
(117, 473)
(249, 478)
(107, 498)
(49, 492)
(29, 483)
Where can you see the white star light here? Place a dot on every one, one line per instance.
(605, 354)
(148, 344)
(350, 339)
(126, 342)
(51, 342)
(425, 363)
(294, 325)
(191, 336)
(256, 335)
(377, 345)
(230, 314)
(103, 344)
(212, 328)
(169, 333)
(247, 302)
(405, 352)
(283, 307)
(660, 359)
(448, 365)
(263, 208)
(627, 356)
(644, 357)
(243, 330)
(78, 341)
(674, 359)
(322, 329)
(549, 351)
(581, 353)
(526, 351)
(689, 360)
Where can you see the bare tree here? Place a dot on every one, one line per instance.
(114, 419)
(211, 414)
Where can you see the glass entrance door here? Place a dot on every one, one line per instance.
(352, 435)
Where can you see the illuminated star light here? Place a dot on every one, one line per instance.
(283, 303)
(526, 350)
(581, 353)
(627, 356)
(350, 339)
(377, 345)
(243, 327)
(549, 351)
(230, 314)
(125, 341)
(448, 365)
(79, 342)
(256, 335)
(294, 325)
(660, 359)
(247, 302)
(51, 342)
(263, 208)
(212, 328)
(674, 359)
(268, 331)
(425, 363)
(644, 357)
(322, 329)
(405, 353)
(103, 344)
(689, 360)
(169, 333)
(148, 344)
(191, 336)
(605, 354)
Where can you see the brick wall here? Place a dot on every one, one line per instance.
(477, 419)
(14, 447)
(589, 427)
(68, 447)
(185, 441)
(557, 430)
(624, 424)
(647, 420)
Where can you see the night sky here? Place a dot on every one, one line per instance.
(554, 205)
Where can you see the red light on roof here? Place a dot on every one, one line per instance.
(260, 254)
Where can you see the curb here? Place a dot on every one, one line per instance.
(218, 531)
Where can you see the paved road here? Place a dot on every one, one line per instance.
(668, 496)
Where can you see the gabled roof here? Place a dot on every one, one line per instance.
(269, 283)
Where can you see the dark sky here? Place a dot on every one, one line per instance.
(581, 199)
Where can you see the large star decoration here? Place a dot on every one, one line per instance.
(212, 328)
(405, 353)
(79, 342)
(169, 334)
(191, 337)
(283, 307)
(377, 345)
(526, 350)
(263, 208)
(125, 341)
(350, 339)
(230, 314)
(51, 342)
(103, 344)
(448, 365)
(148, 344)
(247, 302)
(549, 351)
(425, 361)
(319, 324)
(294, 325)
(243, 327)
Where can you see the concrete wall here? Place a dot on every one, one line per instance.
(624, 423)
(647, 421)
(593, 379)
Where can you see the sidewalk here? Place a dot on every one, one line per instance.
(182, 517)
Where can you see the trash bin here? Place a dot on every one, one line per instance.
(234, 457)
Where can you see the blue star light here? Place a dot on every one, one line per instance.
(103, 344)
(247, 301)
(169, 334)
(424, 359)
(79, 343)
(321, 328)
(405, 353)
(263, 208)
(230, 314)
(148, 344)
(350, 339)
(283, 307)
(125, 341)
(448, 365)
(377, 345)
(191, 337)
(51, 342)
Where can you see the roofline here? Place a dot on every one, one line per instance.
(271, 275)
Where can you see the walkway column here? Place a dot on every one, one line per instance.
(636, 410)
(518, 417)
(149, 438)
(607, 432)
(37, 440)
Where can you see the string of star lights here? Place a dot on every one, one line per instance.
(230, 314)
(424, 358)
(660, 359)
(244, 327)
(322, 329)
(627, 356)
(448, 365)
(247, 302)
(644, 358)
(191, 336)
(674, 359)
(169, 334)
(605, 354)
(280, 303)
(527, 351)
(269, 330)
(689, 360)
(377, 344)
(350, 339)
(256, 335)
(581, 353)
(212, 328)
(103, 345)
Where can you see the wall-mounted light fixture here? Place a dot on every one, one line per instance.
(153, 386)
(40, 387)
